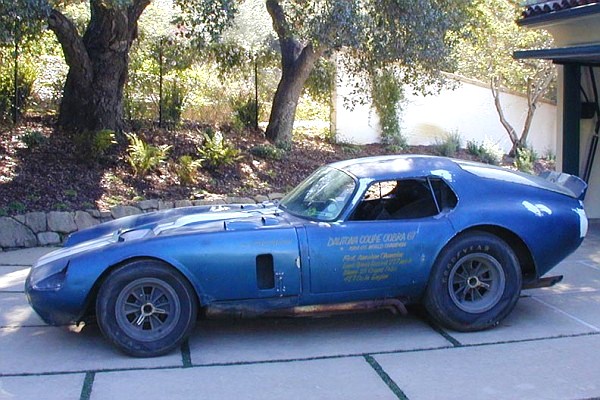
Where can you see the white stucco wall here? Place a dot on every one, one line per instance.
(469, 110)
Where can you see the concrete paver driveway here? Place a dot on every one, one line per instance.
(548, 348)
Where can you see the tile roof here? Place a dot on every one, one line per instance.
(540, 7)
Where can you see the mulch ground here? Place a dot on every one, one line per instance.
(53, 174)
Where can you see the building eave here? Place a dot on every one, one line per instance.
(550, 18)
(586, 54)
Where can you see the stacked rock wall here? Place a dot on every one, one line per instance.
(52, 228)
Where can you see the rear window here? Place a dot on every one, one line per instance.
(506, 175)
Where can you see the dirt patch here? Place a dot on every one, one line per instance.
(51, 174)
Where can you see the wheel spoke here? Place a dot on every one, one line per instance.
(161, 301)
(464, 293)
(141, 319)
(477, 268)
(155, 295)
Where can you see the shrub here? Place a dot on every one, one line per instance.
(487, 152)
(525, 159)
(267, 151)
(187, 169)
(102, 141)
(25, 79)
(216, 151)
(33, 139)
(93, 146)
(172, 103)
(244, 112)
(387, 97)
(449, 145)
(17, 207)
(144, 157)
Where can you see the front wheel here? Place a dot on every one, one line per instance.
(146, 308)
(474, 283)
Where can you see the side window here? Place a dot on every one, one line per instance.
(405, 199)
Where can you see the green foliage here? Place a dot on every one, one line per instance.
(25, 78)
(144, 157)
(216, 152)
(550, 155)
(70, 193)
(94, 146)
(449, 145)
(349, 148)
(187, 169)
(16, 207)
(60, 207)
(321, 81)
(486, 47)
(386, 93)
(525, 159)
(268, 151)
(205, 20)
(245, 112)
(487, 152)
(33, 139)
(172, 103)
(21, 19)
(102, 142)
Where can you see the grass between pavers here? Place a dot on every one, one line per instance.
(90, 375)
(88, 384)
(386, 378)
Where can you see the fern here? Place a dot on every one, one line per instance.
(144, 157)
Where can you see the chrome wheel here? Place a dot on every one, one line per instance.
(147, 309)
(476, 283)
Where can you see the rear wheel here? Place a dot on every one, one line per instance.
(146, 308)
(474, 283)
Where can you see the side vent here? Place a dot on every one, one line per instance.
(265, 274)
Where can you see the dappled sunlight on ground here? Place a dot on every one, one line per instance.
(13, 278)
(18, 315)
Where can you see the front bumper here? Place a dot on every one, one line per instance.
(54, 307)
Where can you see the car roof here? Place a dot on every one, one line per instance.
(382, 168)
(396, 166)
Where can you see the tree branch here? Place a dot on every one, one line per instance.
(495, 86)
(76, 54)
(280, 25)
(135, 11)
(534, 95)
(291, 48)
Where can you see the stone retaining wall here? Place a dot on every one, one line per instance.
(52, 228)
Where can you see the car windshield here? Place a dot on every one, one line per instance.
(322, 196)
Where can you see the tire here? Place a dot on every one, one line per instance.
(474, 283)
(146, 308)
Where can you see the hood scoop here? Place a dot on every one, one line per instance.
(247, 224)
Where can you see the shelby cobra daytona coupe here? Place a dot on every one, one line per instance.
(462, 238)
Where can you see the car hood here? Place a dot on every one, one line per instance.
(182, 221)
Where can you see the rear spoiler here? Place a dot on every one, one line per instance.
(571, 183)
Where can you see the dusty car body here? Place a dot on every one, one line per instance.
(461, 237)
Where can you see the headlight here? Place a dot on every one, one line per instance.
(49, 276)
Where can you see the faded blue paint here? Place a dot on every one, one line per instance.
(314, 262)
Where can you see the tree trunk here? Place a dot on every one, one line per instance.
(285, 102)
(297, 62)
(98, 65)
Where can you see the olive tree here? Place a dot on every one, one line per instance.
(98, 55)
(486, 53)
(372, 35)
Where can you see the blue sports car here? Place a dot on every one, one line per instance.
(462, 238)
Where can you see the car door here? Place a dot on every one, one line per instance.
(378, 250)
